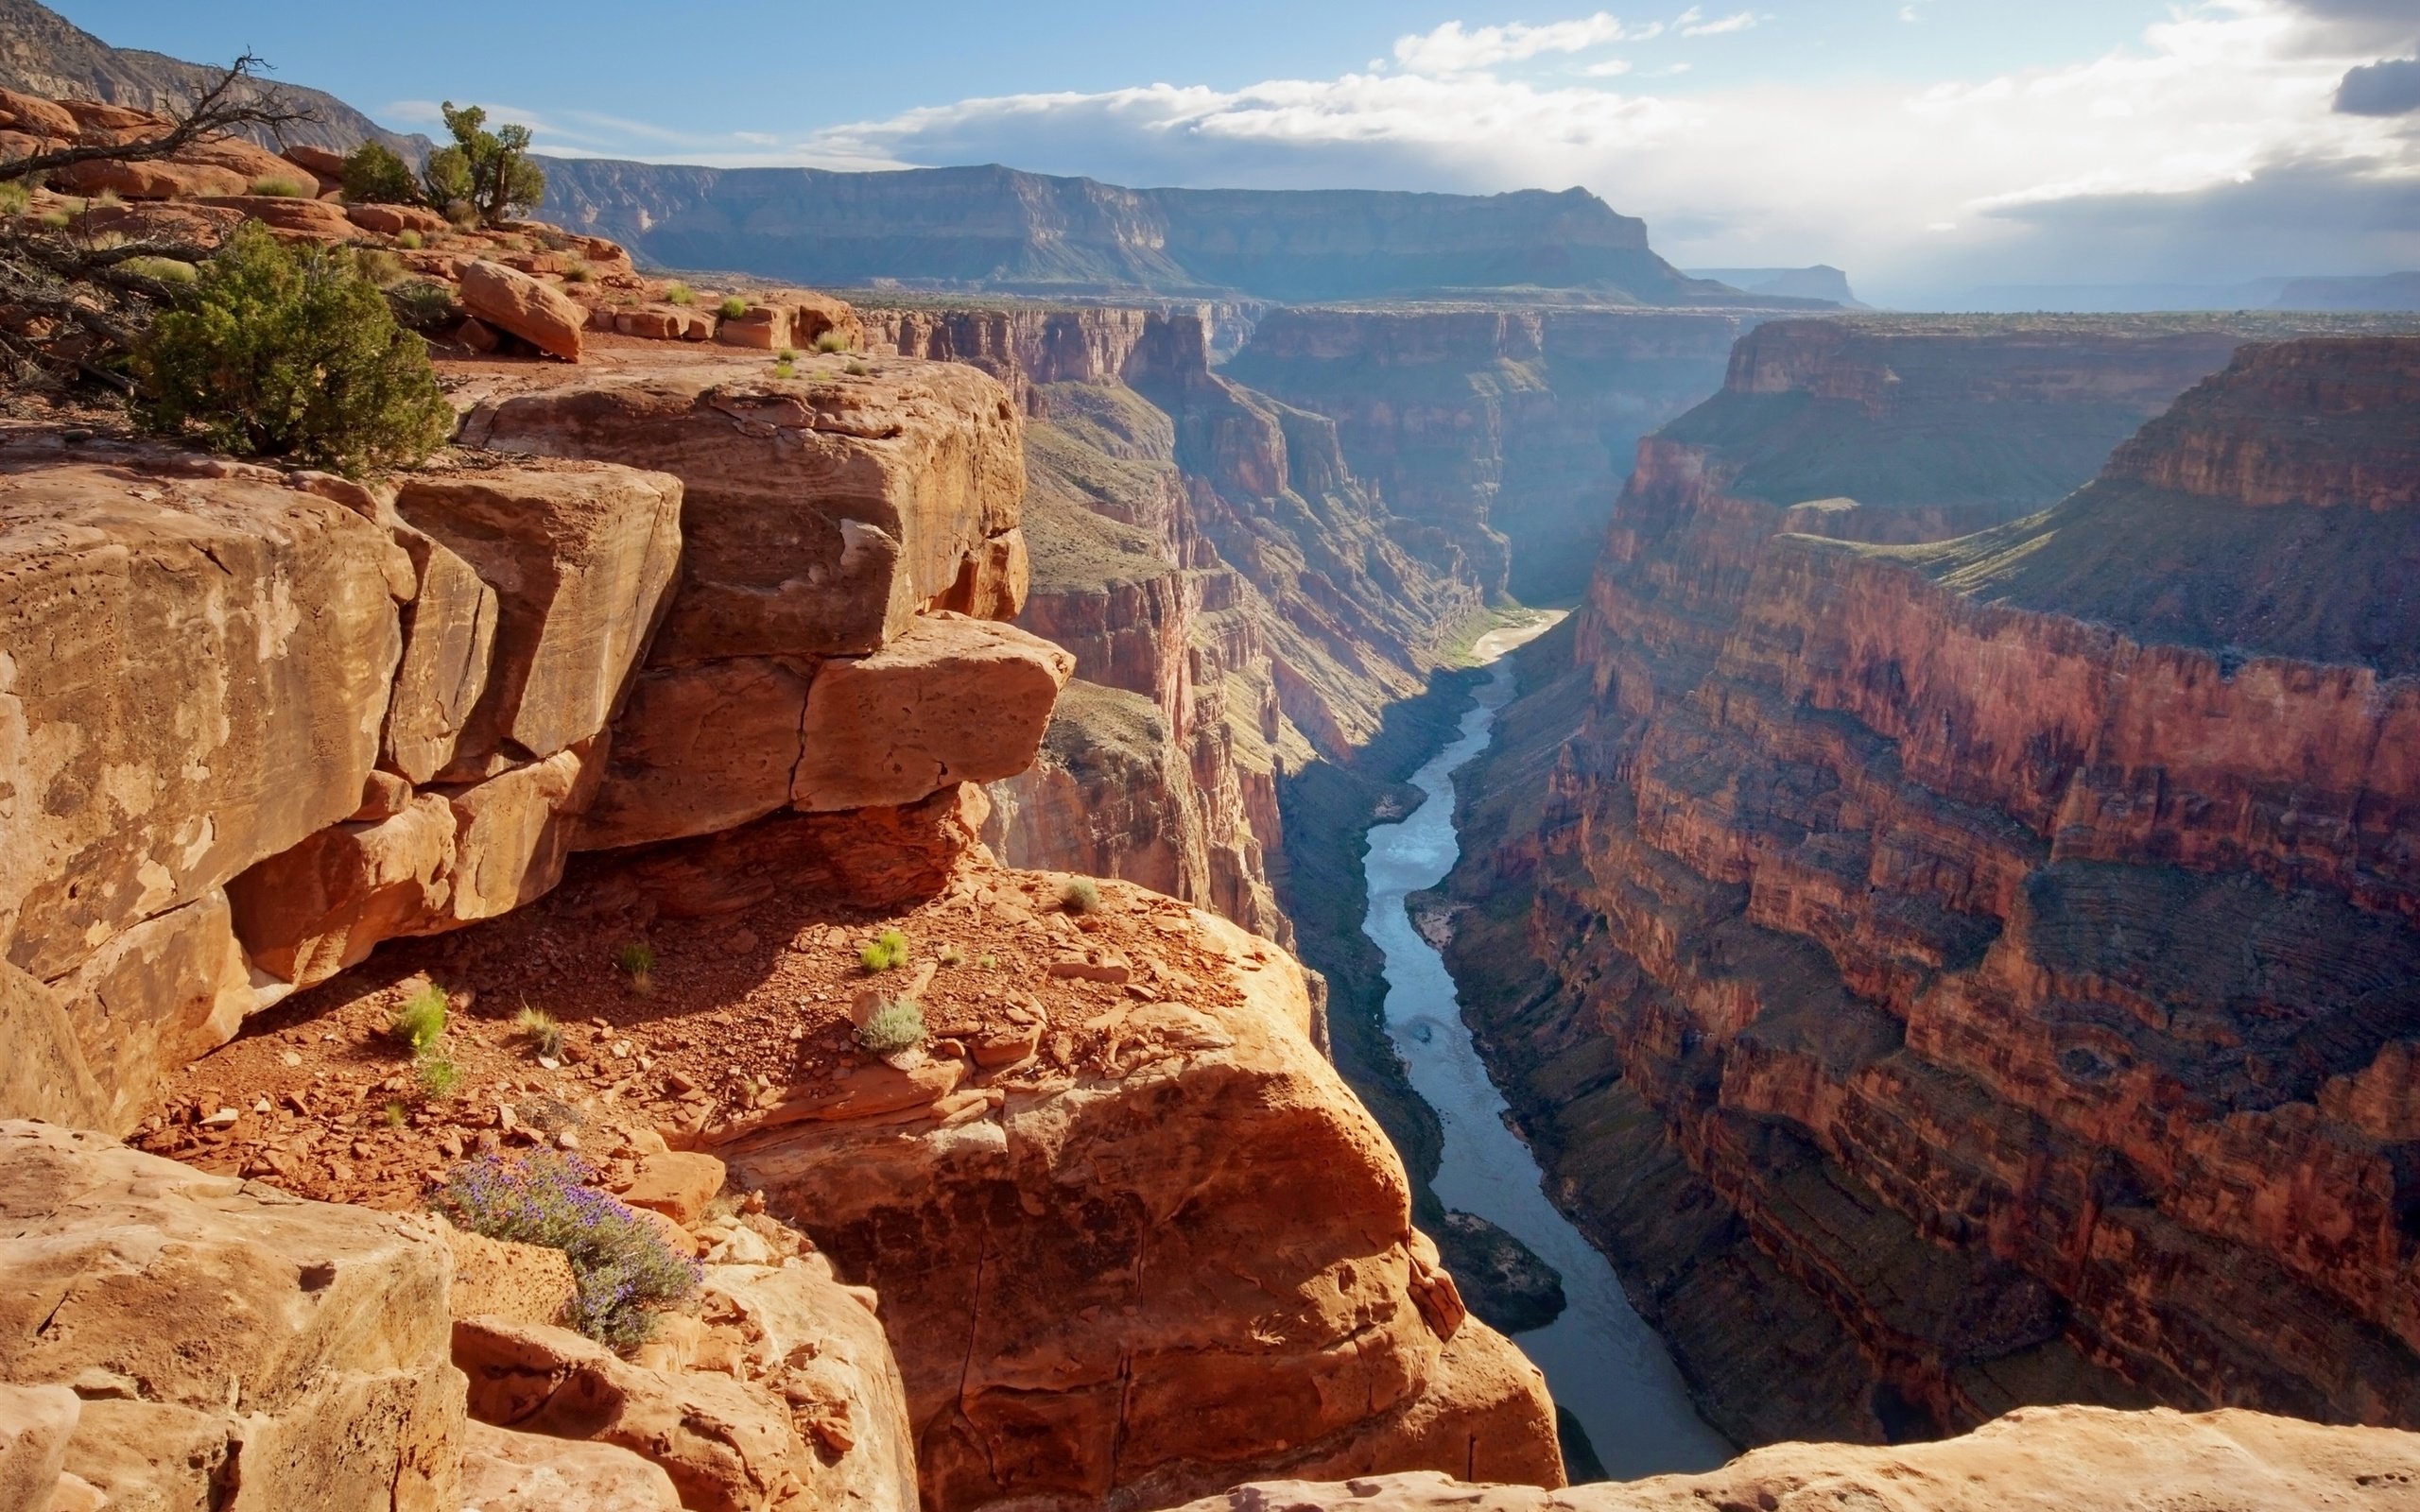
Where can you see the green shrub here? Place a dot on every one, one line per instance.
(785, 370)
(539, 1027)
(420, 1023)
(408, 240)
(859, 370)
(733, 307)
(380, 266)
(579, 272)
(290, 352)
(280, 188)
(623, 1272)
(1080, 896)
(887, 952)
(15, 198)
(897, 1024)
(831, 341)
(375, 174)
(439, 1078)
(787, 355)
(637, 961)
(488, 172)
(680, 294)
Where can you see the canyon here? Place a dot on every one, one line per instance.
(1941, 914)
(1967, 975)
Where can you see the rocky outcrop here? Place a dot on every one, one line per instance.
(219, 1342)
(1987, 957)
(1500, 431)
(1049, 1268)
(2080, 1458)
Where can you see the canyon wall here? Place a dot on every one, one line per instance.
(1237, 601)
(1976, 974)
(1503, 429)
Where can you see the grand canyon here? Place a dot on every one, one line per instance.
(782, 837)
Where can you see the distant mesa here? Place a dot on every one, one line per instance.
(1821, 282)
(2386, 291)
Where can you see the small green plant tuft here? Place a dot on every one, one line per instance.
(857, 369)
(680, 294)
(991, 962)
(637, 961)
(539, 1027)
(290, 352)
(15, 198)
(420, 1023)
(623, 1273)
(422, 304)
(733, 307)
(56, 220)
(887, 952)
(439, 1078)
(787, 355)
(831, 341)
(276, 188)
(579, 272)
(952, 955)
(897, 1024)
(164, 269)
(393, 1115)
(1080, 896)
(381, 266)
(785, 370)
(409, 241)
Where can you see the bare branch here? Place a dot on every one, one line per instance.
(218, 111)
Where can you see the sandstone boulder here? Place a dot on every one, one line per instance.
(45, 1075)
(315, 218)
(537, 312)
(447, 859)
(158, 178)
(505, 1472)
(699, 749)
(194, 674)
(676, 1183)
(207, 1322)
(580, 560)
(951, 699)
(727, 1448)
(815, 522)
(497, 1278)
(36, 117)
(393, 220)
(322, 162)
(2037, 1459)
(36, 1423)
(449, 645)
(155, 997)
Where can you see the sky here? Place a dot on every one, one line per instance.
(1927, 146)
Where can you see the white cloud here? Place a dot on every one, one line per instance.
(2047, 174)
(1449, 49)
(1690, 26)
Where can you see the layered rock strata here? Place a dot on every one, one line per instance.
(1992, 955)
(1504, 430)
(259, 722)
(1235, 600)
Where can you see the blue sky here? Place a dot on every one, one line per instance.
(1924, 144)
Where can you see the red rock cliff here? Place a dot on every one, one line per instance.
(1994, 952)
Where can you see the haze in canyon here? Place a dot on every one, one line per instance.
(1384, 758)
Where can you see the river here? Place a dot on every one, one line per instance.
(1603, 1364)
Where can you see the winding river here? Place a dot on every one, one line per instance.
(1603, 1364)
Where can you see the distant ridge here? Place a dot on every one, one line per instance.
(41, 52)
(1000, 229)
